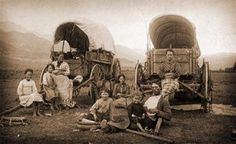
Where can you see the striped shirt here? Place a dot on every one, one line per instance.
(169, 67)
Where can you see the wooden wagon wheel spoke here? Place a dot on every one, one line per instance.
(115, 70)
(100, 73)
(138, 76)
(41, 77)
(98, 77)
(206, 82)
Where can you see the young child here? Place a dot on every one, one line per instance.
(136, 113)
(50, 87)
(28, 94)
(101, 108)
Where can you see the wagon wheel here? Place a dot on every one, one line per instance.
(138, 76)
(98, 77)
(115, 69)
(41, 77)
(206, 88)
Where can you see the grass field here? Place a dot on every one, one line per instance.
(185, 127)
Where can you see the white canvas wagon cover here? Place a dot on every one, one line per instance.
(84, 35)
(173, 31)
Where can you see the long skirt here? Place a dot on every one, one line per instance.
(27, 100)
(65, 89)
(50, 93)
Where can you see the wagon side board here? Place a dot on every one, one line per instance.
(185, 57)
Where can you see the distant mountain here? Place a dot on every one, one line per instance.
(8, 26)
(22, 50)
(220, 60)
(127, 63)
(128, 57)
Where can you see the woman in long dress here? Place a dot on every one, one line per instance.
(64, 84)
(28, 94)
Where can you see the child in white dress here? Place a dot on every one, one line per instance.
(28, 94)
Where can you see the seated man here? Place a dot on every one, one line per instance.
(169, 68)
(169, 73)
(156, 106)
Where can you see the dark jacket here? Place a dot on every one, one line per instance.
(164, 109)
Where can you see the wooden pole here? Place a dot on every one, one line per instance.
(13, 118)
(192, 90)
(10, 110)
(63, 43)
(88, 125)
(150, 136)
(84, 83)
(206, 80)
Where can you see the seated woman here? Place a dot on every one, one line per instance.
(121, 89)
(50, 87)
(28, 94)
(64, 84)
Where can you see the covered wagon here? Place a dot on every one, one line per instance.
(176, 33)
(88, 48)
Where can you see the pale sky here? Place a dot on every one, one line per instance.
(128, 20)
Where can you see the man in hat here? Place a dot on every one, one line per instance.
(156, 106)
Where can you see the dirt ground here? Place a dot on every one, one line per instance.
(185, 127)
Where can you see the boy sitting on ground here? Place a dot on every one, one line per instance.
(136, 113)
(101, 108)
